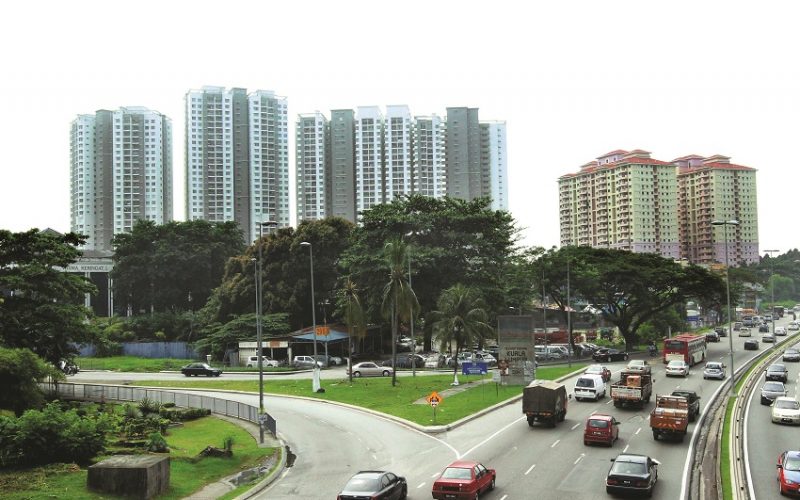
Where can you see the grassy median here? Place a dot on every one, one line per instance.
(378, 394)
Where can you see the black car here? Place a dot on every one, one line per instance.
(712, 337)
(751, 345)
(693, 400)
(196, 369)
(763, 328)
(376, 484)
(721, 331)
(608, 354)
(632, 474)
(777, 371)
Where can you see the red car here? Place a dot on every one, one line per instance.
(464, 479)
(601, 428)
(601, 370)
(789, 472)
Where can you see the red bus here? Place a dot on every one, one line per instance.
(686, 346)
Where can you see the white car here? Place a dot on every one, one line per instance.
(677, 367)
(638, 365)
(370, 369)
(780, 331)
(786, 411)
(714, 369)
(793, 326)
(252, 362)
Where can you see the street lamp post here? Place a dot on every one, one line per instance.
(772, 293)
(569, 323)
(313, 308)
(725, 225)
(259, 307)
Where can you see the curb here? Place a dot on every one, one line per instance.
(271, 476)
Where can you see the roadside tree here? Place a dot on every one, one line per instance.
(399, 300)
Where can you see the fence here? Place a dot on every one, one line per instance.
(179, 350)
(99, 392)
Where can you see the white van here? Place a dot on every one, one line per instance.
(590, 387)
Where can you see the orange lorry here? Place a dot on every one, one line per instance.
(670, 418)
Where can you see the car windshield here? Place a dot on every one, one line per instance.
(773, 387)
(675, 364)
(776, 368)
(598, 424)
(457, 473)
(792, 351)
(713, 366)
(629, 468)
(363, 484)
(792, 463)
(787, 404)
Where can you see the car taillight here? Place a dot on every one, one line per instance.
(641, 484)
(611, 481)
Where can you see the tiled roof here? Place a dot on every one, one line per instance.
(713, 166)
(615, 152)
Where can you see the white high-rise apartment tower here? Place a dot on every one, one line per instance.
(429, 155)
(120, 172)
(369, 157)
(398, 147)
(495, 154)
(237, 161)
(312, 170)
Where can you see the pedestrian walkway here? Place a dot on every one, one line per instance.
(455, 389)
(223, 486)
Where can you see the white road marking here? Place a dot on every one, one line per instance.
(638, 431)
(459, 455)
(530, 469)
(609, 401)
(576, 425)
(436, 475)
(625, 449)
(556, 443)
(420, 485)
(375, 457)
(504, 497)
(578, 459)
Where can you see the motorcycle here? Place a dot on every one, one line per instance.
(652, 351)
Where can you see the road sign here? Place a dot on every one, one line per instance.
(473, 368)
(434, 399)
(323, 330)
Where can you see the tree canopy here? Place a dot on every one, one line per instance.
(42, 306)
(174, 266)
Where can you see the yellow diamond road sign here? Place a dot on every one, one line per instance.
(434, 399)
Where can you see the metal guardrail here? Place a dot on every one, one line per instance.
(102, 392)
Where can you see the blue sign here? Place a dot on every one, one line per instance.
(473, 368)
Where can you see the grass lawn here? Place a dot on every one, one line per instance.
(378, 394)
(136, 364)
(69, 480)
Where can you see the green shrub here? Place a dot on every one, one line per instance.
(54, 435)
(156, 443)
(184, 414)
(148, 405)
(9, 451)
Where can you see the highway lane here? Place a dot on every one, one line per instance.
(331, 443)
(766, 440)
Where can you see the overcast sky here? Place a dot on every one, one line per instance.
(573, 80)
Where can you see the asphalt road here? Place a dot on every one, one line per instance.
(331, 442)
(765, 440)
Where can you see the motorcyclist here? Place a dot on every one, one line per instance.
(651, 348)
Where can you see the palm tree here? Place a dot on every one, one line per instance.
(399, 300)
(353, 316)
(461, 318)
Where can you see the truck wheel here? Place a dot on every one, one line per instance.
(562, 416)
(530, 421)
(617, 404)
(681, 437)
(655, 434)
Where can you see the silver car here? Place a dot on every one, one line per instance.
(714, 369)
(791, 354)
(786, 411)
(370, 369)
(677, 367)
(771, 390)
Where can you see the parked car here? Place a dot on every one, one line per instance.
(377, 484)
(791, 354)
(601, 370)
(677, 368)
(712, 336)
(369, 369)
(252, 362)
(601, 428)
(771, 390)
(785, 410)
(197, 369)
(751, 345)
(789, 472)
(548, 352)
(632, 474)
(406, 360)
(305, 362)
(714, 369)
(777, 371)
(464, 479)
(336, 360)
(607, 354)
